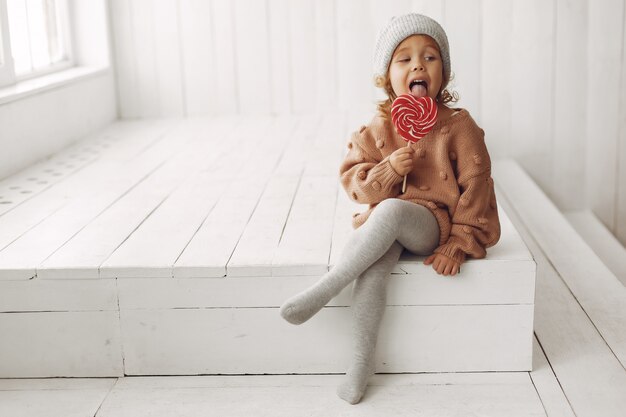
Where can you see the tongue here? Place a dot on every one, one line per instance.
(419, 90)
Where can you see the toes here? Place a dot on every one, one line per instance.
(289, 313)
(347, 393)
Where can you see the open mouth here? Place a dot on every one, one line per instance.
(418, 88)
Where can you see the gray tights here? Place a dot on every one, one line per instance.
(370, 255)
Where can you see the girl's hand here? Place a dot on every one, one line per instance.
(442, 264)
(402, 160)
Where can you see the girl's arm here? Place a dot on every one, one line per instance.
(367, 177)
(475, 223)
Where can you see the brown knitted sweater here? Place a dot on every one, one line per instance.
(451, 176)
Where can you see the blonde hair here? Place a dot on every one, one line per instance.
(384, 107)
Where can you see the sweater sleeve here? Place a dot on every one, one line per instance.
(475, 222)
(367, 177)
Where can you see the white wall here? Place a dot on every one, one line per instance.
(37, 126)
(543, 77)
(34, 126)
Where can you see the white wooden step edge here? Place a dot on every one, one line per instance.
(598, 291)
(601, 240)
(588, 372)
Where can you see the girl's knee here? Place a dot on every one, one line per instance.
(389, 204)
(421, 236)
(388, 210)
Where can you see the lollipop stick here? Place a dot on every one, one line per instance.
(404, 182)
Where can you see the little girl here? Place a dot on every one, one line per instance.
(448, 211)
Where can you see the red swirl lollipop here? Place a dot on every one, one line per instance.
(413, 118)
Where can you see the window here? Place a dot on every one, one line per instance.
(35, 38)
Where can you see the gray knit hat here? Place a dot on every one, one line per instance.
(400, 28)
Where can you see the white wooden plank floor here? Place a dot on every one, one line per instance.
(486, 395)
(576, 371)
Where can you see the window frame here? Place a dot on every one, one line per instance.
(7, 70)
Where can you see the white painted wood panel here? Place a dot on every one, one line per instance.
(355, 39)
(144, 54)
(422, 286)
(168, 59)
(294, 160)
(80, 343)
(59, 295)
(105, 152)
(255, 250)
(345, 209)
(463, 26)
(256, 247)
(532, 81)
(496, 73)
(302, 34)
(434, 9)
(219, 340)
(606, 21)
(197, 45)
(84, 253)
(325, 55)
(211, 247)
(123, 49)
(207, 254)
(84, 161)
(280, 57)
(252, 64)
(24, 256)
(570, 106)
(381, 11)
(223, 22)
(304, 248)
(59, 169)
(96, 192)
(155, 245)
(327, 147)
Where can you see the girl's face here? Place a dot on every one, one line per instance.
(416, 67)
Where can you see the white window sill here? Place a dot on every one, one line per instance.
(48, 82)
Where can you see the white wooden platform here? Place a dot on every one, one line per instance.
(165, 247)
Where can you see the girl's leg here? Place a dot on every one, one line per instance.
(369, 297)
(409, 223)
